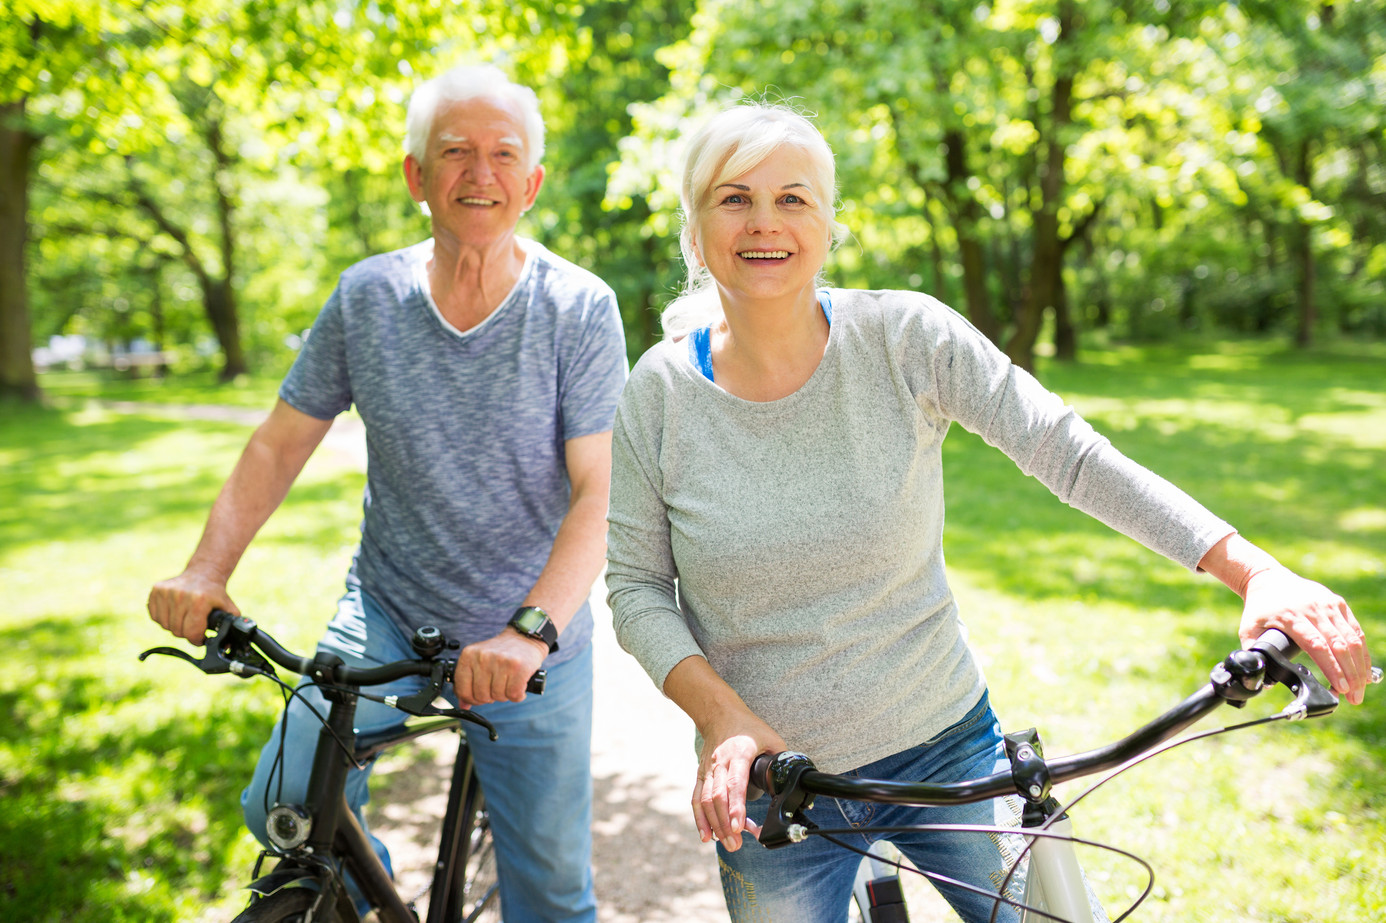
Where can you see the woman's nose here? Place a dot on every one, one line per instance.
(763, 218)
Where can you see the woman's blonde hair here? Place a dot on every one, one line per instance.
(731, 143)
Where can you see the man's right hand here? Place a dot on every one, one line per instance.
(181, 604)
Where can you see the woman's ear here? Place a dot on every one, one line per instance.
(693, 247)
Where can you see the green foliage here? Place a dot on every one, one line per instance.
(118, 777)
(1221, 163)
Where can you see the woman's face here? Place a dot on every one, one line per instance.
(764, 235)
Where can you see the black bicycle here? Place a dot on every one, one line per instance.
(1054, 887)
(317, 842)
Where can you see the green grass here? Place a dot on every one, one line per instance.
(120, 781)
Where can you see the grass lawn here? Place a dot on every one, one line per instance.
(120, 780)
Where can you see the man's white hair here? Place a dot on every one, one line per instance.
(471, 81)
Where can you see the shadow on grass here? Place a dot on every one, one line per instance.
(66, 479)
(115, 787)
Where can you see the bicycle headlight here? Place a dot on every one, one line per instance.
(288, 825)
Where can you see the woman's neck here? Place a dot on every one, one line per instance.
(765, 351)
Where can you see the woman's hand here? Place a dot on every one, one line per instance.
(1315, 618)
(733, 736)
(719, 796)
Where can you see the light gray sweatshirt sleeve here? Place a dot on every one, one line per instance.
(641, 574)
(973, 383)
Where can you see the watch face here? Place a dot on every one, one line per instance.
(528, 620)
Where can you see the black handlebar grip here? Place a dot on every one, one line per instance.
(536, 683)
(760, 772)
(1275, 639)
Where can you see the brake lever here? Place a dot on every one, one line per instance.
(1312, 698)
(420, 704)
(231, 630)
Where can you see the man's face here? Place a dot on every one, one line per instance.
(474, 175)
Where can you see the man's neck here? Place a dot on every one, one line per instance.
(469, 283)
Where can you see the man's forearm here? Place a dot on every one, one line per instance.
(577, 558)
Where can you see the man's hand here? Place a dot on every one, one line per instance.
(181, 604)
(497, 669)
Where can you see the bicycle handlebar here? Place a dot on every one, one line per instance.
(237, 645)
(792, 780)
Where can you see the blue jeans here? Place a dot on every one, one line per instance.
(537, 776)
(811, 882)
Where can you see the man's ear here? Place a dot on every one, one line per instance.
(532, 186)
(413, 175)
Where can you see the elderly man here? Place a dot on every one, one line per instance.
(486, 370)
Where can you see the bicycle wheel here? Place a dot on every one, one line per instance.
(287, 906)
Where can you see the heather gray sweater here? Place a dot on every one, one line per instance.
(804, 535)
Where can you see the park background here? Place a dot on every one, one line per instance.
(1175, 213)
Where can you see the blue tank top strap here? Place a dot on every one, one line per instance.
(700, 340)
(700, 350)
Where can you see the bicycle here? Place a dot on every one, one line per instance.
(1054, 886)
(316, 842)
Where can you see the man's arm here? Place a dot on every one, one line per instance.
(1315, 618)
(496, 670)
(273, 458)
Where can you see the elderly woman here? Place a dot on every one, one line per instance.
(778, 458)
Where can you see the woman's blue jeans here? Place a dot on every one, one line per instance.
(537, 776)
(811, 882)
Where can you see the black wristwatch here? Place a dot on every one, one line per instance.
(533, 622)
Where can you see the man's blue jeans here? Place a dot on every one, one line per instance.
(537, 776)
(811, 882)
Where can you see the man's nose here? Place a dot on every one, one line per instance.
(478, 169)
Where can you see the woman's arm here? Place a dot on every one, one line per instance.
(1317, 619)
(732, 737)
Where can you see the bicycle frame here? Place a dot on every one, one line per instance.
(337, 832)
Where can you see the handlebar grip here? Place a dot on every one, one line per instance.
(1277, 640)
(760, 772)
(536, 683)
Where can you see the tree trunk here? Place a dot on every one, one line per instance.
(17, 377)
(1303, 238)
(966, 217)
(1046, 266)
